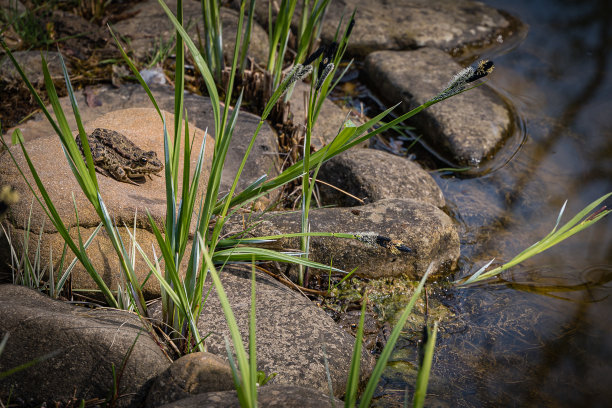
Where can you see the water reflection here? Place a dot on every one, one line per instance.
(539, 335)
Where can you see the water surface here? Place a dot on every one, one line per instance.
(542, 334)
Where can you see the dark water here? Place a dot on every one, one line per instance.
(542, 335)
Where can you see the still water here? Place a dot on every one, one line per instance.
(542, 334)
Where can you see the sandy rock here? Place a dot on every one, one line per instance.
(272, 396)
(467, 128)
(191, 374)
(144, 127)
(88, 342)
(151, 24)
(424, 228)
(94, 102)
(405, 24)
(291, 332)
(372, 175)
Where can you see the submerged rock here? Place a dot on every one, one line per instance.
(373, 175)
(466, 129)
(86, 344)
(292, 334)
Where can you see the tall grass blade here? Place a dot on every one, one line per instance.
(352, 383)
(367, 395)
(425, 368)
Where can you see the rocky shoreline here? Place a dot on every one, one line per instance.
(398, 199)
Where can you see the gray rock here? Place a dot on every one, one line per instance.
(144, 127)
(466, 129)
(191, 374)
(88, 343)
(281, 396)
(450, 25)
(291, 332)
(424, 228)
(372, 175)
(151, 25)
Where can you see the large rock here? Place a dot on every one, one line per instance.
(151, 25)
(95, 102)
(467, 128)
(192, 374)
(292, 334)
(123, 200)
(87, 343)
(272, 396)
(452, 25)
(425, 229)
(372, 175)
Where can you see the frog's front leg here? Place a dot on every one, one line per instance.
(119, 174)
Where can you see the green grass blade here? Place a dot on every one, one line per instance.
(352, 383)
(252, 340)
(367, 395)
(425, 369)
(200, 63)
(239, 349)
(135, 72)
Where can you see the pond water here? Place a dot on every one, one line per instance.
(542, 334)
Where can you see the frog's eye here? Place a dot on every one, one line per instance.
(143, 160)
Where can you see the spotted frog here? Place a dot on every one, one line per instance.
(117, 156)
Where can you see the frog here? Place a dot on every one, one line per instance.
(116, 156)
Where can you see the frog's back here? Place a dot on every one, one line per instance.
(116, 142)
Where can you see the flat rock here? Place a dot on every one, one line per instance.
(144, 127)
(191, 374)
(95, 102)
(151, 25)
(425, 229)
(292, 333)
(450, 25)
(465, 129)
(372, 175)
(271, 396)
(87, 342)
